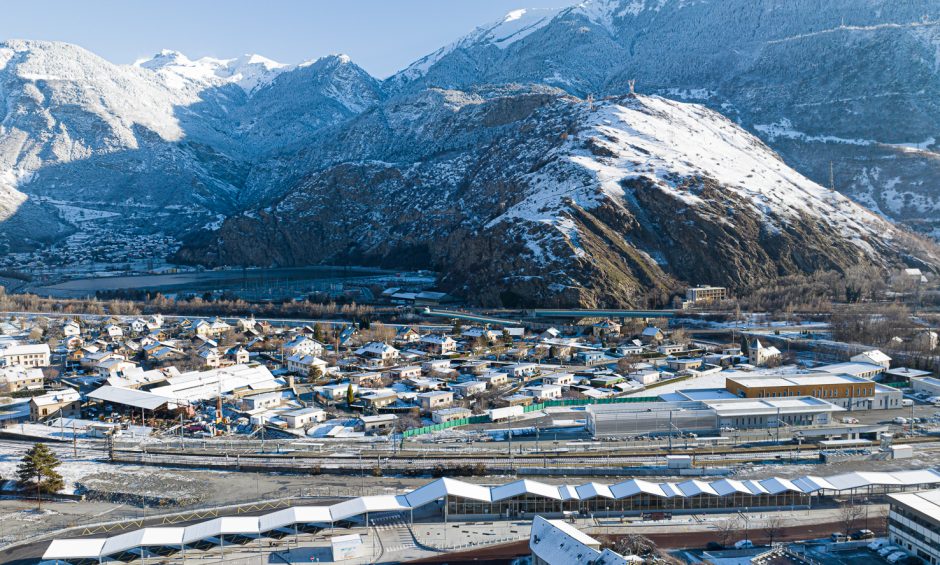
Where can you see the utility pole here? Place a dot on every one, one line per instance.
(778, 425)
(670, 431)
(510, 442)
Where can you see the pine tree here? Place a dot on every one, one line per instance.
(318, 332)
(350, 395)
(39, 467)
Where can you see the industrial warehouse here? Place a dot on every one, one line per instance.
(454, 499)
(707, 416)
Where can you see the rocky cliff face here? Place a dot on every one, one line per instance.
(531, 196)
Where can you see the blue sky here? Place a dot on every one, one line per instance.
(380, 35)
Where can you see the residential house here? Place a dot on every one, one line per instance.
(522, 370)
(239, 355)
(670, 349)
(113, 331)
(592, 357)
(212, 329)
(550, 333)
(437, 366)
(424, 384)
(380, 398)
(407, 335)
(480, 333)
(646, 377)
(378, 350)
(301, 345)
(336, 392)
(263, 401)
(67, 403)
(873, 356)
(544, 392)
(652, 334)
(381, 422)
(138, 325)
(563, 379)
(683, 363)
(113, 367)
(17, 377)
(411, 371)
(432, 400)
(438, 344)
(71, 329)
(303, 417)
(28, 355)
(445, 415)
(495, 379)
(304, 364)
(468, 389)
(606, 328)
(210, 357)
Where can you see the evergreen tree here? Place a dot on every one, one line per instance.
(458, 326)
(318, 332)
(350, 395)
(39, 467)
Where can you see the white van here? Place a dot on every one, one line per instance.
(744, 544)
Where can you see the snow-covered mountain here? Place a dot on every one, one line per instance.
(76, 129)
(531, 196)
(179, 72)
(486, 160)
(851, 82)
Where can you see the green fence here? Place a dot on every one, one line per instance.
(482, 418)
(587, 401)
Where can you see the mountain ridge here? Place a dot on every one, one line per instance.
(527, 195)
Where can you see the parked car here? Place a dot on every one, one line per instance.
(900, 420)
(877, 544)
(849, 420)
(896, 557)
(744, 544)
(862, 534)
(838, 537)
(714, 546)
(888, 550)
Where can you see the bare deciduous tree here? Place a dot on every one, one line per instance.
(727, 529)
(849, 515)
(773, 528)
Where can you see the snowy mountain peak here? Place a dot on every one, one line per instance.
(179, 71)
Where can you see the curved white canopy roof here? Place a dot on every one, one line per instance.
(93, 548)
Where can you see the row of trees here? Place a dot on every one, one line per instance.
(195, 306)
